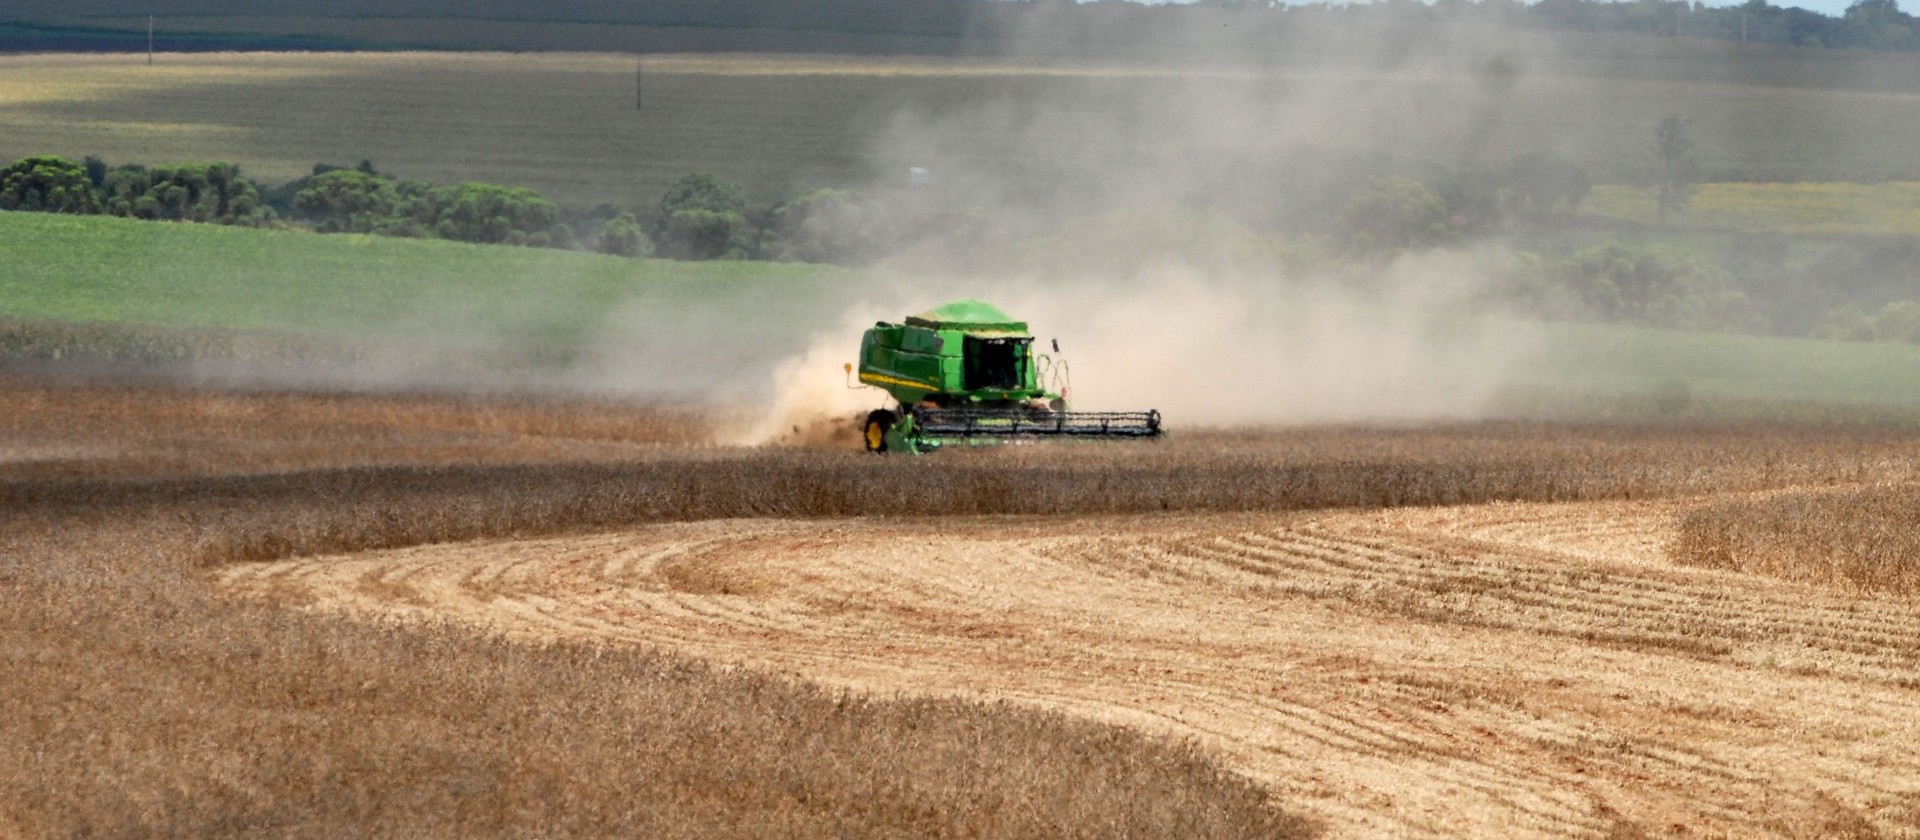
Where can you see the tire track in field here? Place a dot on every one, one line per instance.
(1431, 672)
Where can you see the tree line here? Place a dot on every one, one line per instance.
(700, 217)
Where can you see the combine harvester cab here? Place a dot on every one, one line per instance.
(966, 373)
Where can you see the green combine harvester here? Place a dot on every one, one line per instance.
(966, 373)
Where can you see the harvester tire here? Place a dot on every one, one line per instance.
(874, 434)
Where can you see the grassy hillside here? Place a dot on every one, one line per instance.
(1679, 366)
(399, 310)
(681, 325)
(69, 268)
(568, 124)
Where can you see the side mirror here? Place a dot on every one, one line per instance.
(1056, 345)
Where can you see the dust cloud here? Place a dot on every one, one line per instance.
(1132, 213)
(1135, 212)
(1212, 350)
(1207, 350)
(815, 402)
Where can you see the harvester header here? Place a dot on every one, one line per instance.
(966, 372)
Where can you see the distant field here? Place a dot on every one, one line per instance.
(567, 123)
(1886, 209)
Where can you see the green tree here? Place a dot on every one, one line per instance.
(348, 201)
(621, 236)
(1879, 25)
(706, 235)
(1619, 282)
(704, 218)
(47, 184)
(1673, 150)
(188, 192)
(96, 171)
(488, 213)
(1389, 213)
(702, 191)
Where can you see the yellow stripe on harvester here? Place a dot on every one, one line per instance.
(890, 380)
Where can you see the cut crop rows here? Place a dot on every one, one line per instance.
(1386, 679)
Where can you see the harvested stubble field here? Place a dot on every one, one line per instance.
(474, 616)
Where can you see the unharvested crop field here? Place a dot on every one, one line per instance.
(568, 124)
(311, 614)
(1854, 538)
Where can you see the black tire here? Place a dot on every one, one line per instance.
(874, 433)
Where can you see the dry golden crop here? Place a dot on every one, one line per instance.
(384, 471)
(1851, 538)
(141, 699)
(123, 431)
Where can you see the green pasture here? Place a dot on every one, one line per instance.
(718, 318)
(518, 302)
(1724, 367)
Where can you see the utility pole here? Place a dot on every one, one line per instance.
(639, 82)
(149, 40)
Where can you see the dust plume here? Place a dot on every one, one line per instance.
(1176, 225)
(1227, 296)
(816, 403)
(1207, 349)
(1212, 350)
